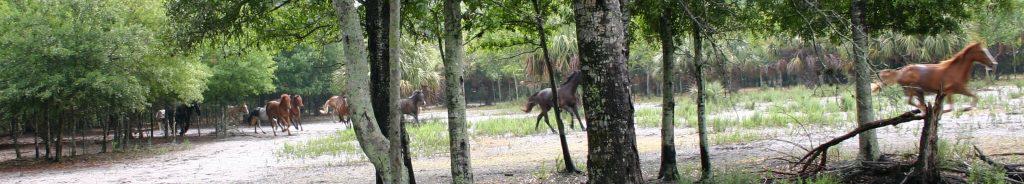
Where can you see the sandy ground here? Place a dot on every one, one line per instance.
(251, 158)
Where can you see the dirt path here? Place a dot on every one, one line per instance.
(529, 159)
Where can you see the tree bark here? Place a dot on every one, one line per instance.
(570, 167)
(928, 149)
(106, 129)
(462, 170)
(602, 41)
(702, 126)
(394, 38)
(668, 171)
(14, 135)
(374, 144)
(862, 79)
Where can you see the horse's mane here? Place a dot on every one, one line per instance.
(960, 55)
(286, 101)
(570, 78)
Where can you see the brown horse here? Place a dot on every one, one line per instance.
(297, 111)
(236, 113)
(411, 106)
(567, 100)
(948, 77)
(279, 110)
(340, 105)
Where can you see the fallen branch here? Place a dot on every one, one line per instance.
(819, 154)
(1012, 171)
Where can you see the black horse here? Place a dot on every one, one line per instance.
(183, 116)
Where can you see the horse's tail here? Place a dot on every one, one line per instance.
(327, 105)
(530, 103)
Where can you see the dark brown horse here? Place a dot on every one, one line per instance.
(296, 111)
(340, 105)
(279, 110)
(411, 105)
(567, 100)
(183, 116)
(949, 76)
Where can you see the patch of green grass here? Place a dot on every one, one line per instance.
(735, 137)
(735, 176)
(819, 179)
(979, 172)
(648, 117)
(428, 138)
(505, 126)
(339, 143)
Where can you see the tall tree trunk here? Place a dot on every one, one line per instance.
(49, 132)
(106, 129)
(570, 167)
(74, 134)
(702, 125)
(862, 80)
(462, 169)
(394, 39)
(602, 35)
(59, 149)
(14, 135)
(375, 145)
(668, 171)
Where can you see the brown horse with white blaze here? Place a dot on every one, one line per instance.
(280, 110)
(340, 105)
(948, 77)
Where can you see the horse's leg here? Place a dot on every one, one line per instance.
(537, 125)
(949, 102)
(548, 122)
(974, 99)
(416, 117)
(576, 113)
(910, 100)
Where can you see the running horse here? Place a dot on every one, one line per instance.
(256, 116)
(280, 110)
(183, 116)
(567, 100)
(340, 105)
(411, 106)
(296, 111)
(949, 76)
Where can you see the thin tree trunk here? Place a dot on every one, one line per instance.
(394, 38)
(14, 135)
(570, 167)
(702, 126)
(668, 171)
(462, 170)
(601, 30)
(371, 138)
(862, 80)
(59, 149)
(106, 129)
(35, 132)
(74, 134)
(49, 132)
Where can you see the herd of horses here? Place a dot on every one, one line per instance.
(948, 77)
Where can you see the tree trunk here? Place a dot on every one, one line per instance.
(14, 135)
(74, 134)
(106, 129)
(59, 149)
(668, 171)
(49, 133)
(394, 38)
(927, 164)
(462, 169)
(702, 125)
(570, 167)
(602, 35)
(371, 138)
(862, 79)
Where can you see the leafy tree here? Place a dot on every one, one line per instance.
(237, 75)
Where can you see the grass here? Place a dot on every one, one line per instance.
(735, 137)
(505, 126)
(338, 143)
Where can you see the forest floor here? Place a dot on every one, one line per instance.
(529, 158)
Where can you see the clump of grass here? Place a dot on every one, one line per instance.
(428, 138)
(339, 143)
(979, 172)
(648, 117)
(735, 137)
(504, 126)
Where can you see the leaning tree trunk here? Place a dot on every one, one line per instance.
(375, 145)
(603, 46)
(462, 171)
(669, 171)
(570, 167)
(862, 79)
(702, 126)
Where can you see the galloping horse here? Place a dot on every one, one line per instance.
(949, 76)
(183, 116)
(256, 116)
(411, 105)
(340, 105)
(567, 99)
(279, 110)
(296, 111)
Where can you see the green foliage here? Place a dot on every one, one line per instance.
(305, 70)
(237, 74)
(340, 143)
